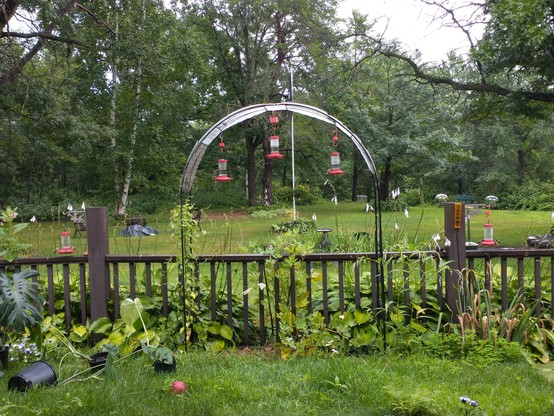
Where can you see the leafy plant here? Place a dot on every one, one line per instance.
(10, 245)
(20, 303)
(133, 331)
(299, 226)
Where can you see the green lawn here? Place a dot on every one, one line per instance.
(236, 383)
(231, 232)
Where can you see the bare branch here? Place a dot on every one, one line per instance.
(42, 35)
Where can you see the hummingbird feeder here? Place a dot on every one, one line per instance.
(488, 237)
(335, 158)
(274, 148)
(222, 166)
(274, 140)
(66, 243)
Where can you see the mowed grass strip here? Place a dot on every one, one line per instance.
(255, 383)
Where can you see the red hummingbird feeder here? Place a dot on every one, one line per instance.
(222, 166)
(335, 158)
(274, 140)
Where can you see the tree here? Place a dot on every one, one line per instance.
(251, 43)
(514, 58)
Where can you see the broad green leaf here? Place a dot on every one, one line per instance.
(101, 325)
(216, 345)
(226, 332)
(131, 310)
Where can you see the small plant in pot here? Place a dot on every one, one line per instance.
(131, 333)
(163, 358)
(20, 307)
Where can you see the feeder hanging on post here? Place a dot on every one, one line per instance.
(488, 237)
(335, 158)
(66, 243)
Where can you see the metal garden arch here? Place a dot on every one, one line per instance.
(249, 112)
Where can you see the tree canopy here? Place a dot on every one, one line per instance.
(102, 101)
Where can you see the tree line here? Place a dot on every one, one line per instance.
(104, 100)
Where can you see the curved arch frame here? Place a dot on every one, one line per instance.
(246, 113)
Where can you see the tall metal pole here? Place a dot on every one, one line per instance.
(292, 145)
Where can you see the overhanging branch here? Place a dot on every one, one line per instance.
(41, 35)
(420, 74)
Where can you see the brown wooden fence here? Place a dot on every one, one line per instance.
(226, 286)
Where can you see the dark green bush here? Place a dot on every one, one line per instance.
(304, 193)
(300, 226)
(532, 196)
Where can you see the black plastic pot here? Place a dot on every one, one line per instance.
(161, 367)
(4, 357)
(37, 373)
(98, 361)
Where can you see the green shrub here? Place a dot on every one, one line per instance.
(274, 213)
(305, 194)
(299, 226)
(531, 196)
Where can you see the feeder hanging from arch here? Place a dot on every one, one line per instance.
(222, 165)
(335, 157)
(274, 139)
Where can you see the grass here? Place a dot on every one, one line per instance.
(235, 383)
(228, 232)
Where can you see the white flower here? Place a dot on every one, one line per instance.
(396, 227)
(368, 208)
(447, 242)
(70, 207)
(341, 316)
(406, 213)
(261, 286)
(436, 237)
(395, 193)
(83, 206)
(314, 217)
(247, 291)
(335, 200)
(33, 219)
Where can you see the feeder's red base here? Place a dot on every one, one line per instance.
(335, 172)
(223, 178)
(488, 243)
(66, 250)
(275, 155)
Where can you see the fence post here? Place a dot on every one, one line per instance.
(98, 248)
(454, 229)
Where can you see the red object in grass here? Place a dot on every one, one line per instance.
(178, 387)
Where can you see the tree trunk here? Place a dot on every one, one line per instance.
(385, 179)
(251, 170)
(268, 175)
(122, 206)
(113, 101)
(355, 174)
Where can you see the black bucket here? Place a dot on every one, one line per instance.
(37, 373)
(161, 367)
(98, 361)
